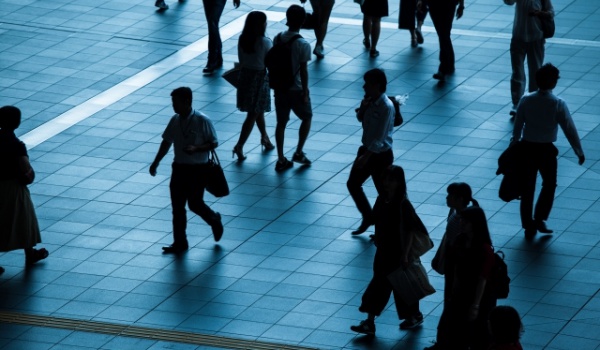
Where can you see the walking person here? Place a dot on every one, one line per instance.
(297, 97)
(539, 114)
(19, 227)
(410, 17)
(376, 113)
(372, 11)
(394, 237)
(193, 136)
(253, 94)
(213, 9)
(527, 42)
(322, 11)
(469, 263)
(442, 14)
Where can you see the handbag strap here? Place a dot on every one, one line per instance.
(214, 157)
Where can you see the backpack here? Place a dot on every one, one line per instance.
(279, 63)
(499, 279)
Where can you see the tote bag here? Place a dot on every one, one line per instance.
(216, 183)
(411, 283)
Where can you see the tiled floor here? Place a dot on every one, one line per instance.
(94, 78)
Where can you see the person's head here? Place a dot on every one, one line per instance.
(182, 100)
(254, 27)
(375, 82)
(10, 118)
(547, 77)
(394, 182)
(505, 325)
(473, 223)
(295, 16)
(459, 196)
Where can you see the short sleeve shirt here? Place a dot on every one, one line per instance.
(300, 54)
(196, 129)
(256, 59)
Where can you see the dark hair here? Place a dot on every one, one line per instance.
(377, 76)
(10, 117)
(505, 325)
(295, 16)
(547, 77)
(184, 93)
(396, 173)
(462, 190)
(254, 28)
(476, 217)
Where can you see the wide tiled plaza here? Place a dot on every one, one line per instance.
(93, 79)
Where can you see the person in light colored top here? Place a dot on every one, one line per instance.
(193, 136)
(376, 113)
(539, 114)
(253, 94)
(527, 41)
(297, 97)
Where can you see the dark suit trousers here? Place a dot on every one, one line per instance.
(442, 14)
(187, 186)
(374, 168)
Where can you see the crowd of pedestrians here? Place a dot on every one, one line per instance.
(465, 256)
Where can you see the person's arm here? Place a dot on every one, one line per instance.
(474, 311)
(568, 126)
(519, 122)
(379, 127)
(26, 169)
(162, 152)
(484, 276)
(208, 146)
(304, 80)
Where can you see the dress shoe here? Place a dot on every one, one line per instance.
(541, 227)
(217, 228)
(363, 227)
(175, 249)
(530, 233)
(439, 76)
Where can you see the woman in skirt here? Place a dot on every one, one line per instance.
(18, 223)
(253, 94)
(372, 11)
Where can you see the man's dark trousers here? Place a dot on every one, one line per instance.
(442, 15)
(188, 182)
(374, 168)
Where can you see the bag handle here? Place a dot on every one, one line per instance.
(214, 157)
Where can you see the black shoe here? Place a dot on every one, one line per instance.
(439, 76)
(217, 228)
(373, 53)
(412, 322)
(283, 165)
(363, 227)
(530, 233)
(212, 66)
(365, 327)
(300, 157)
(367, 43)
(175, 249)
(540, 225)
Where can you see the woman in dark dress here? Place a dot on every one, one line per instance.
(393, 250)
(372, 11)
(463, 324)
(18, 223)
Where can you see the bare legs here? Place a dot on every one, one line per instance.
(251, 119)
(371, 31)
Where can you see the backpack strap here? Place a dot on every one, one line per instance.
(289, 44)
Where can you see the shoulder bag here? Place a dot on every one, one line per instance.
(548, 26)
(216, 183)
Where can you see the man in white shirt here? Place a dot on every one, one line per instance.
(193, 136)
(536, 124)
(527, 41)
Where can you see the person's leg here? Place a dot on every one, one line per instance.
(261, 124)
(197, 184)
(282, 111)
(377, 164)
(548, 170)
(356, 179)
(375, 32)
(446, 49)
(213, 9)
(303, 110)
(517, 79)
(535, 60)
(247, 127)
(528, 178)
(179, 191)
(366, 27)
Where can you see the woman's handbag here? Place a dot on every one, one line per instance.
(216, 183)
(548, 26)
(421, 242)
(440, 257)
(310, 20)
(232, 76)
(411, 283)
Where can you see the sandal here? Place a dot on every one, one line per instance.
(36, 255)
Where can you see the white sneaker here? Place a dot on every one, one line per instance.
(318, 51)
(161, 4)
